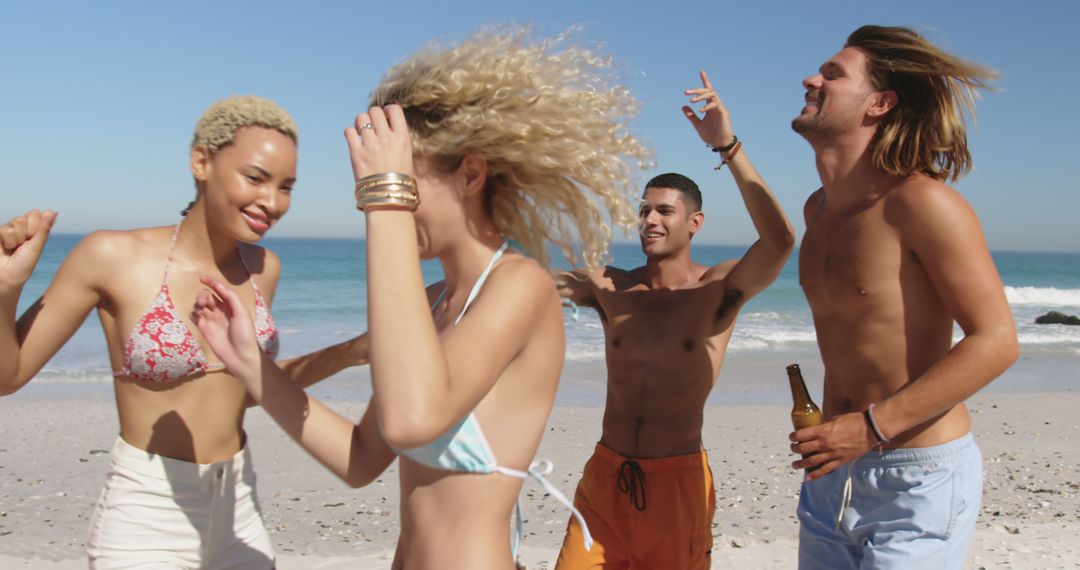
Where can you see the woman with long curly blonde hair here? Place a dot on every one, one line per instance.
(478, 155)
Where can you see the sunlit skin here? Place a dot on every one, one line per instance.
(243, 190)
(667, 324)
(502, 360)
(888, 263)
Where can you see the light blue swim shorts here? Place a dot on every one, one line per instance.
(909, 508)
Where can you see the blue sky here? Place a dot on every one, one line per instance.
(99, 99)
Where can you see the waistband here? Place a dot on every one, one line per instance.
(910, 455)
(653, 464)
(175, 470)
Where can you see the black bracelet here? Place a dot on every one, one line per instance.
(868, 413)
(734, 141)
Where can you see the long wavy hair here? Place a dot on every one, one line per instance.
(927, 131)
(549, 119)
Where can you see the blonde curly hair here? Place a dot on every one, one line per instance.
(218, 125)
(547, 118)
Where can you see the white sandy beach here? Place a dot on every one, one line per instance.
(53, 461)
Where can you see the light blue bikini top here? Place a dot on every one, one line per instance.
(464, 449)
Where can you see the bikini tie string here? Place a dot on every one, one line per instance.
(632, 481)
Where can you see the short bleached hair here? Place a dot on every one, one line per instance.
(217, 127)
(549, 120)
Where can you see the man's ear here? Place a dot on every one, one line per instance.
(200, 163)
(696, 221)
(474, 171)
(884, 101)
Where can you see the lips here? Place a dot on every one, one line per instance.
(651, 236)
(257, 222)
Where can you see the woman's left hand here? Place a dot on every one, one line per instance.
(379, 142)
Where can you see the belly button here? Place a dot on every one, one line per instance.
(863, 291)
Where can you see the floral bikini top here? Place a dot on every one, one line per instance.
(162, 348)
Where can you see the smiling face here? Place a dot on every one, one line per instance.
(837, 97)
(665, 222)
(247, 184)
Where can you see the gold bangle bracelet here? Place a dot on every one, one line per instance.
(386, 178)
(388, 192)
(397, 203)
(402, 199)
(362, 187)
(378, 198)
(385, 190)
(387, 175)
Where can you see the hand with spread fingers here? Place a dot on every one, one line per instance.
(714, 126)
(226, 325)
(825, 447)
(21, 242)
(379, 142)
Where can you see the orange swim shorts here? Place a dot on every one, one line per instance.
(642, 513)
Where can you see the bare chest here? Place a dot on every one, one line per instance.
(849, 262)
(647, 322)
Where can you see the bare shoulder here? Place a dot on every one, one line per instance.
(922, 204)
(720, 270)
(616, 278)
(813, 205)
(261, 261)
(591, 277)
(116, 246)
(522, 272)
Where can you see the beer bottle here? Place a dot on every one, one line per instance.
(805, 412)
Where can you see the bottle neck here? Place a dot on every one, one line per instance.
(799, 393)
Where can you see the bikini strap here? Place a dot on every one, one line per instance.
(248, 271)
(439, 299)
(537, 470)
(172, 248)
(480, 281)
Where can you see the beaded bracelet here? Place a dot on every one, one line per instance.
(727, 147)
(736, 147)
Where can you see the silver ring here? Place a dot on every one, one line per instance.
(367, 126)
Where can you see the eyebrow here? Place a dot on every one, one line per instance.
(266, 174)
(262, 171)
(829, 64)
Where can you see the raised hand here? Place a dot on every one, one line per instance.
(379, 142)
(714, 127)
(226, 325)
(21, 242)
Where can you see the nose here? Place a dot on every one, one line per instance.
(272, 201)
(812, 82)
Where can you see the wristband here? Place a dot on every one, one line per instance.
(869, 414)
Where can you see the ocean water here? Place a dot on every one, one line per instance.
(322, 293)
